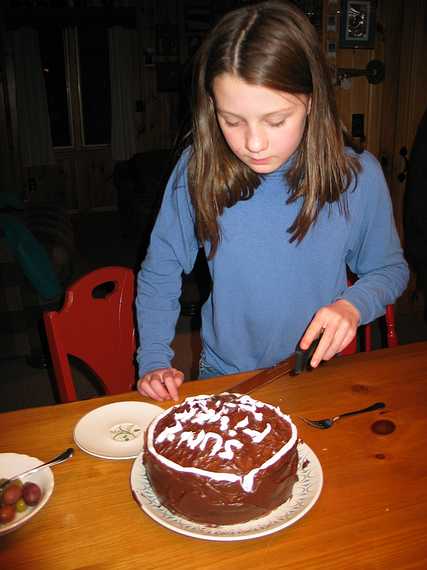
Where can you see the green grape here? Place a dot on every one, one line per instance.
(21, 505)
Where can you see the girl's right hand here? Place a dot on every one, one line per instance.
(161, 384)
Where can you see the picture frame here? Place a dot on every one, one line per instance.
(167, 40)
(357, 24)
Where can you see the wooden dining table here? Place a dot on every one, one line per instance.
(371, 512)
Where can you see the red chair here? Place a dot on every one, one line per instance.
(364, 334)
(96, 325)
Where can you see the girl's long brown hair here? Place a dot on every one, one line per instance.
(274, 45)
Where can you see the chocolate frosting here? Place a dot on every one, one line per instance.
(222, 459)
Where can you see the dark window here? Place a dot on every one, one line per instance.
(95, 84)
(53, 65)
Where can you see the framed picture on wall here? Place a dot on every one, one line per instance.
(357, 24)
(167, 40)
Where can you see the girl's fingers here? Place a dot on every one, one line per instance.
(172, 381)
(336, 343)
(314, 330)
(161, 384)
(157, 384)
(337, 325)
(347, 339)
(145, 389)
(325, 342)
(172, 388)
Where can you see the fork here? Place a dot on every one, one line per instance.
(329, 422)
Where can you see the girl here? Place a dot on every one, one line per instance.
(280, 204)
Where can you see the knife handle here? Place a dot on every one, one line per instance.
(303, 357)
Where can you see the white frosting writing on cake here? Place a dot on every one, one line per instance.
(169, 433)
(207, 417)
(193, 439)
(243, 423)
(223, 447)
(258, 436)
(252, 409)
(186, 414)
(224, 423)
(201, 439)
(228, 453)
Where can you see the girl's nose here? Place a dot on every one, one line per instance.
(256, 140)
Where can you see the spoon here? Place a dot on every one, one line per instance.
(58, 459)
(329, 422)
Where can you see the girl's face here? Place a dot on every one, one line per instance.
(263, 127)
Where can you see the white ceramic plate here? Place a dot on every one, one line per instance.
(305, 494)
(14, 463)
(115, 431)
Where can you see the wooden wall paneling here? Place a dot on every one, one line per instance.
(348, 90)
(154, 125)
(390, 22)
(375, 94)
(356, 96)
(412, 95)
(345, 58)
(157, 124)
(360, 94)
(418, 83)
(373, 112)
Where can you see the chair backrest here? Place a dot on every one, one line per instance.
(96, 324)
(364, 335)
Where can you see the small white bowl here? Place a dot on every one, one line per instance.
(14, 463)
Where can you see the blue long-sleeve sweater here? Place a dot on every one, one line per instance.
(266, 290)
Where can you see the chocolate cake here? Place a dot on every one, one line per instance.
(221, 459)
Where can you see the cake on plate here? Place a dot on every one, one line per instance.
(221, 459)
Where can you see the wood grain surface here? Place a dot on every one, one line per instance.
(371, 513)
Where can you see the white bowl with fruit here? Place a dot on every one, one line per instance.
(21, 499)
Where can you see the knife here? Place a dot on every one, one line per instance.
(293, 365)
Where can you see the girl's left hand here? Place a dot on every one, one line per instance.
(336, 324)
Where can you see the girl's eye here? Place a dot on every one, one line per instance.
(278, 124)
(232, 124)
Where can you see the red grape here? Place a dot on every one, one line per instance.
(31, 493)
(11, 494)
(7, 513)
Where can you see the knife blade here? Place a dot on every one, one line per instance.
(293, 365)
